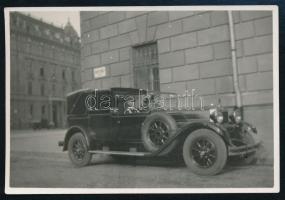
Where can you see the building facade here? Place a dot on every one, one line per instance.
(183, 50)
(45, 65)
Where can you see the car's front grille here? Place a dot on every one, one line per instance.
(226, 116)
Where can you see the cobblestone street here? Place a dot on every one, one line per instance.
(36, 161)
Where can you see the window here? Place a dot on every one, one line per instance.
(129, 104)
(30, 88)
(47, 32)
(63, 74)
(53, 52)
(99, 103)
(37, 28)
(53, 89)
(57, 35)
(29, 68)
(146, 71)
(42, 72)
(42, 89)
(31, 110)
(76, 104)
(43, 109)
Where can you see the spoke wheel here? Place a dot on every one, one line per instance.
(205, 152)
(78, 151)
(158, 133)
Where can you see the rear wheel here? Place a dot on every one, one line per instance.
(78, 150)
(205, 152)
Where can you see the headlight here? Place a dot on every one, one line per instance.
(237, 116)
(220, 117)
(216, 115)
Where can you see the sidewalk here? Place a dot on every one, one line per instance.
(39, 132)
(37, 141)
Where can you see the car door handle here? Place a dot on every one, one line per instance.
(118, 122)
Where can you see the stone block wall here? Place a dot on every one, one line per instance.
(193, 47)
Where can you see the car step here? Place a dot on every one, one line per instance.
(124, 153)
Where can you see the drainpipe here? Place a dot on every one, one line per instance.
(234, 62)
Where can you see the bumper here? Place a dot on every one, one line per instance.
(243, 150)
(250, 141)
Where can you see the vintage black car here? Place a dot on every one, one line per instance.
(133, 122)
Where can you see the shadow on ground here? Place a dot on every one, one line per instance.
(233, 163)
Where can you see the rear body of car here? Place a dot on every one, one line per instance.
(120, 121)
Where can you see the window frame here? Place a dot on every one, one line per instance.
(148, 64)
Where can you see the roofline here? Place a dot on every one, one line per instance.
(40, 21)
(76, 91)
(114, 88)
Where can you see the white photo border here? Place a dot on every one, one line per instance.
(276, 139)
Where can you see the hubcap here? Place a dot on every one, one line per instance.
(78, 149)
(203, 152)
(158, 133)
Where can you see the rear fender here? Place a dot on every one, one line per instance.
(71, 131)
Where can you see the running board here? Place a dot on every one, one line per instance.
(123, 153)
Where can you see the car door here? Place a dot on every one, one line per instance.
(100, 117)
(126, 126)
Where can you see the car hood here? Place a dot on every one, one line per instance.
(184, 117)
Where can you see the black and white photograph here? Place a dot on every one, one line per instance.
(163, 99)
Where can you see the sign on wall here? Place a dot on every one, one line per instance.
(99, 72)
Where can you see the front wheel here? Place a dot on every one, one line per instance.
(205, 152)
(78, 150)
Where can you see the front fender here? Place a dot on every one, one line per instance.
(72, 130)
(188, 128)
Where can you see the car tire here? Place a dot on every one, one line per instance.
(78, 150)
(205, 152)
(156, 130)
